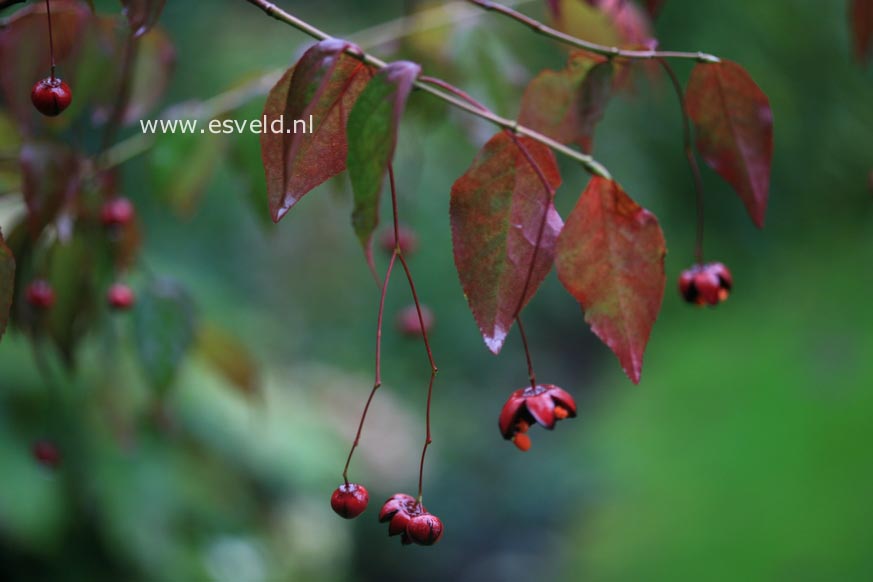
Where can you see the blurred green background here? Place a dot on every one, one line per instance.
(745, 453)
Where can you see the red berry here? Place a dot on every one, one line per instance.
(544, 405)
(708, 284)
(120, 297)
(349, 500)
(117, 212)
(46, 454)
(406, 237)
(40, 294)
(408, 323)
(425, 529)
(398, 511)
(51, 96)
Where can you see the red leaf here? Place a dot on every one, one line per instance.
(324, 84)
(654, 6)
(497, 208)
(142, 14)
(372, 135)
(610, 257)
(734, 126)
(861, 19)
(50, 180)
(7, 283)
(566, 105)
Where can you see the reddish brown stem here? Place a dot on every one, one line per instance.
(689, 155)
(530, 369)
(378, 382)
(48, 13)
(607, 51)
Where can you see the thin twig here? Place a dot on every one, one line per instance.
(607, 51)
(692, 159)
(588, 162)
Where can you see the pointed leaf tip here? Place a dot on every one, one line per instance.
(734, 126)
(496, 210)
(610, 257)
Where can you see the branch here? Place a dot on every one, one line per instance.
(588, 162)
(607, 51)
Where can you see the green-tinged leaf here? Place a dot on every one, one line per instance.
(372, 135)
(610, 257)
(229, 357)
(497, 209)
(566, 105)
(51, 178)
(164, 327)
(734, 126)
(7, 283)
(312, 101)
(183, 167)
(155, 58)
(142, 14)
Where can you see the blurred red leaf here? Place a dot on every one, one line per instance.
(372, 135)
(610, 257)
(566, 105)
(24, 50)
(734, 126)
(325, 84)
(654, 6)
(496, 210)
(7, 283)
(142, 14)
(50, 180)
(861, 20)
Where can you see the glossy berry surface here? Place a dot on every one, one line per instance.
(398, 511)
(544, 405)
(708, 284)
(406, 237)
(40, 294)
(51, 96)
(46, 454)
(408, 323)
(120, 297)
(117, 212)
(349, 500)
(425, 529)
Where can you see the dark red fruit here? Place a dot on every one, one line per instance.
(408, 323)
(545, 405)
(117, 212)
(40, 294)
(406, 237)
(708, 284)
(425, 529)
(120, 297)
(46, 454)
(51, 96)
(349, 500)
(398, 511)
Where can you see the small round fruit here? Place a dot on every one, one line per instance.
(51, 96)
(425, 529)
(408, 323)
(117, 212)
(406, 237)
(708, 284)
(349, 500)
(40, 294)
(120, 297)
(46, 454)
